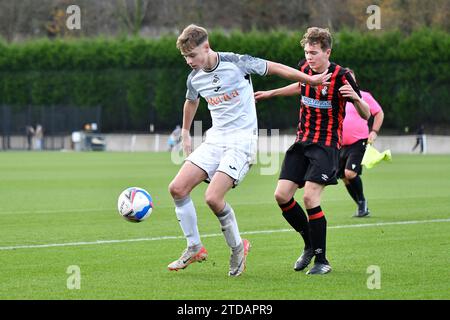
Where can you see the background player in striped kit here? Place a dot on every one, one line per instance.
(312, 161)
(224, 158)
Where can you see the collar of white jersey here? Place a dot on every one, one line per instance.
(215, 67)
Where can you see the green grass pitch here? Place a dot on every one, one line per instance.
(53, 198)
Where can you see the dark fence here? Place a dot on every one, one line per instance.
(57, 122)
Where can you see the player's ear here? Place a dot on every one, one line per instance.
(206, 45)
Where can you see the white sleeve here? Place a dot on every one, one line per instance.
(248, 64)
(191, 93)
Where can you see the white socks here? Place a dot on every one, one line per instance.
(229, 227)
(185, 210)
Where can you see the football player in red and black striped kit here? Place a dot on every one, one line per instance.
(312, 161)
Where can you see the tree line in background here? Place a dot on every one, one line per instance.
(26, 19)
(139, 82)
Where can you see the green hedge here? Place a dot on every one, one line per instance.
(138, 81)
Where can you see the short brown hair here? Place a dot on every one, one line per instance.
(191, 37)
(316, 35)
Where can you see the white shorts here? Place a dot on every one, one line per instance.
(235, 162)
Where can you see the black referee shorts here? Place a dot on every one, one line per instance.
(310, 162)
(351, 156)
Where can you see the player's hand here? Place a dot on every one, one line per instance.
(347, 91)
(372, 136)
(262, 95)
(186, 142)
(320, 79)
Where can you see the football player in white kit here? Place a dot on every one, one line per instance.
(224, 158)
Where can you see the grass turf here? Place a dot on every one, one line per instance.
(57, 198)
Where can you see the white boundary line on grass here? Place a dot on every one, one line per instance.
(200, 204)
(68, 244)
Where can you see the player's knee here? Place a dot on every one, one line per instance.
(310, 199)
(213, 201)
(349, 174)
(177, 190)
(281, 197)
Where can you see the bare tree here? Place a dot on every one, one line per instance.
(22, 19)
(132, 13)
(17, 18)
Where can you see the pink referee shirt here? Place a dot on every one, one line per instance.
(355, 128)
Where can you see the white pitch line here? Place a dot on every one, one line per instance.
(200, 204)
(69, 244)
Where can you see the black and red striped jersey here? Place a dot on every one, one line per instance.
(322, 108)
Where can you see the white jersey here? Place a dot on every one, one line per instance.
(229, 92)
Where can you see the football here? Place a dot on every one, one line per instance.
(135, 204)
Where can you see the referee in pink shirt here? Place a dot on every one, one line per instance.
(355, 136)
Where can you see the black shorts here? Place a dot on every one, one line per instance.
(351, 157)
(310, 162)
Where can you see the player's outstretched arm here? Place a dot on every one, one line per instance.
(189, 110)
(290, 90)
(289, 73)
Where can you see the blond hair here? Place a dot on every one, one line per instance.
(316, 35)
(191, 37)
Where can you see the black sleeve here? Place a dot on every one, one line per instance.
(352, 82)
